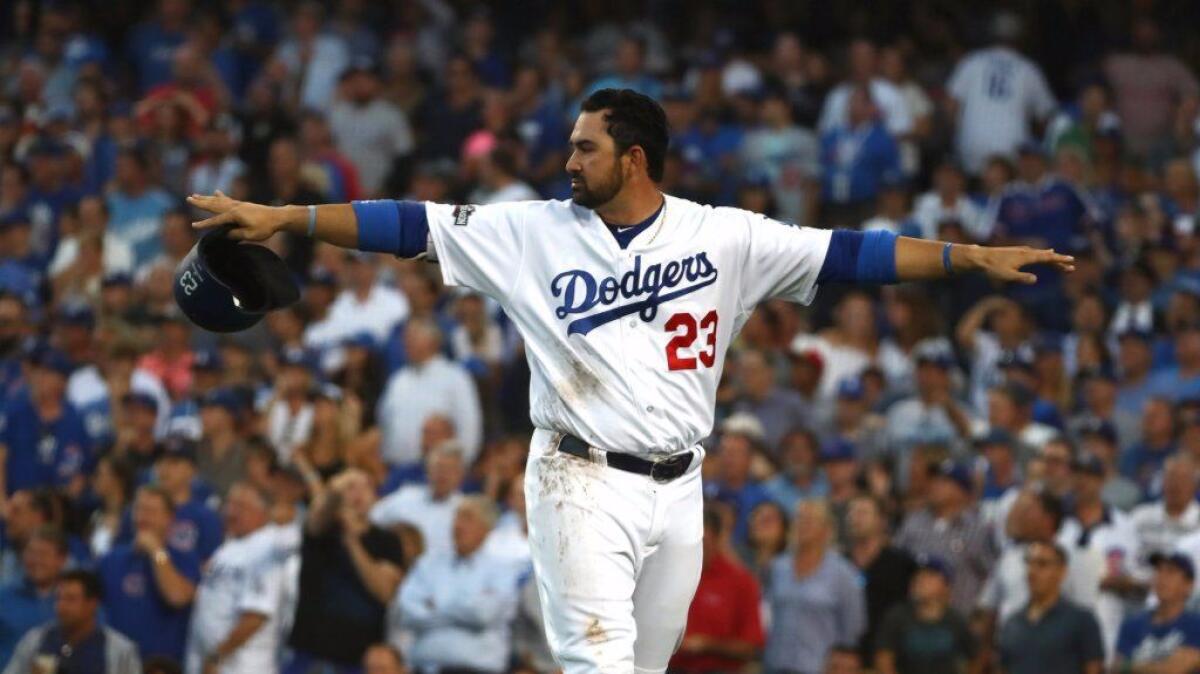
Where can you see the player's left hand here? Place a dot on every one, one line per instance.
(1005, 263)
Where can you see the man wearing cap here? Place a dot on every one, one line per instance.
(371, 131)
(222, 452)
(1165, 639)
(207, 373)
(925, 635)
(195, 528)
(953, 529)
(840, 464)
(1099, 537)
(1098, 439)
(931, 416)
(853, 420)
(42, 436)
(1049, 633)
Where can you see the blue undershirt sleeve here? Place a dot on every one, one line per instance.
(860, 257)
(388, 226)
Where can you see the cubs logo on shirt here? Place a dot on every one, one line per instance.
(133, 584)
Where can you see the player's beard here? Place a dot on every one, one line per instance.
(595, 194)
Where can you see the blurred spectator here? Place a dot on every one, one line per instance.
(948, 200)
(153, 42)
(234, 626)
(887, 570)
(430, 507)
(856, 157)
(195, 529)
(816, 599)
(778, 409)
(1160, 524)
(311, 58)
(1098, 440)
(28, 602)
(24, 512)
(952, 529)
(991, 327)
(767, 538)
(799, 477)
(429, 384)
(723, 627)
(366, 304)
(42, 432)
(1049, 633)
(113, 486)
(460, 603)
(218, 166)
(452, 113)
(1144, 461)
(75, 639)
(148, 585)
(371, 131)
(136, 206)
(863, 81)
(222, 451)
(1166, 637)
(1149, 86)
(925, 635)
(932, 416)
(732, 482)
(994, 94)
(349, 571)
(629, 72)
(499, 177)
(789, 155)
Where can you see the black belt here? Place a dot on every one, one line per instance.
(663, 470)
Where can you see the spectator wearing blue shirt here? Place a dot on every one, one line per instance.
(29, 602)
(800, 477)
(136, 207)
(148, 585)
(1183, 379)
(1166, 638)
(1134, 357)
(21, 272)
(855, 158)
(711, 149)
(152, 43)
(732, 483)
(1143, 462)
(43, 434)
(49, 196)
(630, 72)
(196, 528)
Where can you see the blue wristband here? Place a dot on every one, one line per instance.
(312, 220)
(946, 259)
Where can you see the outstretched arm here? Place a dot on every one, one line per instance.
(918, 259)
(334, 223)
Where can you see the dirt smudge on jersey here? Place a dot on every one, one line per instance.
(594, 633)
(565, 483)
(581, 383)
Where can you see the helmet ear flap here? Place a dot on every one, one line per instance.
(226, 286)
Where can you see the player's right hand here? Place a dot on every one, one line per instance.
(250, 221)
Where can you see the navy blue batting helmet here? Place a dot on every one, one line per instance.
(226, 286)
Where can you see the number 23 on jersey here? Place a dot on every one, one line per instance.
(688, 329)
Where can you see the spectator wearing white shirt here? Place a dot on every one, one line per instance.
(366, 305)
(948, 200)
(894, 68)
(233, 628)
(370, 130)
(509, 539)
(789, 155)
(430, 507)
(314, 60)
(863, 67)
(995, 93)
(92, 212)
(460, 604)
(290, 411)
(1158, 526)
(428, 384)
(219, 167)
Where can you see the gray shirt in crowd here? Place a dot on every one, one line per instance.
(811, 615)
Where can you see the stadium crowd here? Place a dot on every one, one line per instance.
(952, 477)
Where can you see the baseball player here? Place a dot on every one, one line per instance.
(627, 299)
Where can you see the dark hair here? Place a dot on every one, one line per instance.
(1052, 506)
(89, 581)
(1060, 553)
(159, 493)
(634, 119)
(125, 474)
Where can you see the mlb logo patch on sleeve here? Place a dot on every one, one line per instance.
(462, 214)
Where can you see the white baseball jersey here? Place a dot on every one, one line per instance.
(625, 346)
(998, 91)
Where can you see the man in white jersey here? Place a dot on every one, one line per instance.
(627, 299)
(995, 92)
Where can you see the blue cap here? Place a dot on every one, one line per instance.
(955, 472)
(1048, 342)
(1177, 559)
(1135, 333)
(362, 340)
(934, 354)
(851, 387)
(17, 216)
(996, 437)
(1094, 426)
(117, 278)
(838, 450)
(179, 447)
(53, 360)
(141, 399)
(222, 397)
(207, 360)
(297, 357)
(935, 564)
(76, 313)
(1031, 147)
